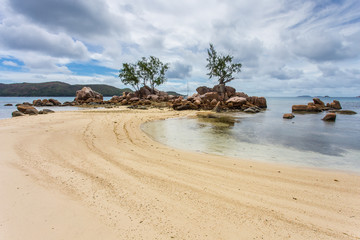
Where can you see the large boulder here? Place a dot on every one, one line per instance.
(203, 89)
(144, 91)
(330, 117)
(257, 101)
(236, 101)
(211, 96)
(24, 108)
(86, 93)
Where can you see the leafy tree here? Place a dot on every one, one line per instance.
(221, 66)
(129, 75)
(146, 71)
(152, 71)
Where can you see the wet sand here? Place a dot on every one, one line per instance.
(96, 175)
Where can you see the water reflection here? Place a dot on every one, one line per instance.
(304, 140)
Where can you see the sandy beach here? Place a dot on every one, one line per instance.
(95, 174)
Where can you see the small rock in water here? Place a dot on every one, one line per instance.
(288, 116)
(8, 105)
(330, 117)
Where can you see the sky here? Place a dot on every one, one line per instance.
(286, 47)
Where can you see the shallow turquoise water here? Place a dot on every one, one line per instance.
(305, 140)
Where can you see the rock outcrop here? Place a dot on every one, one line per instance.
(334, 105)
(86, 95)
(316, 106)
(219, 98)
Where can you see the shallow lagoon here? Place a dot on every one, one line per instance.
(305, 140)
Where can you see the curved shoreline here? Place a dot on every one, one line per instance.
(122, 184)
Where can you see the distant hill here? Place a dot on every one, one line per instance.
(174, 93)
(54, 89)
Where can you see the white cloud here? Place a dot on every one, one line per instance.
(284, 46)
(10, 63)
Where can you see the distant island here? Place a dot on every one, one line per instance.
(54, 89)
(304, 96)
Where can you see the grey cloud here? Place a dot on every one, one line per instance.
(179, 70)
(286, 74)
(335, 76)
(80, 17)
(28, 38)
(324, 47)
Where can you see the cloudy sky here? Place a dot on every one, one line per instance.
(287, 47)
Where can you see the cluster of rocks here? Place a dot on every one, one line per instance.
(319, 106)
(23, 109)
(46, 102)
(220, 98)
(144, 96)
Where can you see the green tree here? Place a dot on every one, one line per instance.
(129, 75)
(221, 66)
(152, 71)
(146, 72)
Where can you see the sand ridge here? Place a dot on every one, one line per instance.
(99, 164)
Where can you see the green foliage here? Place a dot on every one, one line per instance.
(147, 71)
(129, 75)
(221, 66)
(55, 89)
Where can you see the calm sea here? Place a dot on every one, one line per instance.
(305, 140)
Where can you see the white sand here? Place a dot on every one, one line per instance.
(96, 175)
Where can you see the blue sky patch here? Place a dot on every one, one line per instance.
(10, 64)
(90, 69)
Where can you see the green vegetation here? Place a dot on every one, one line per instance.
(54, 89)
(221, 66)
(146, 71)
